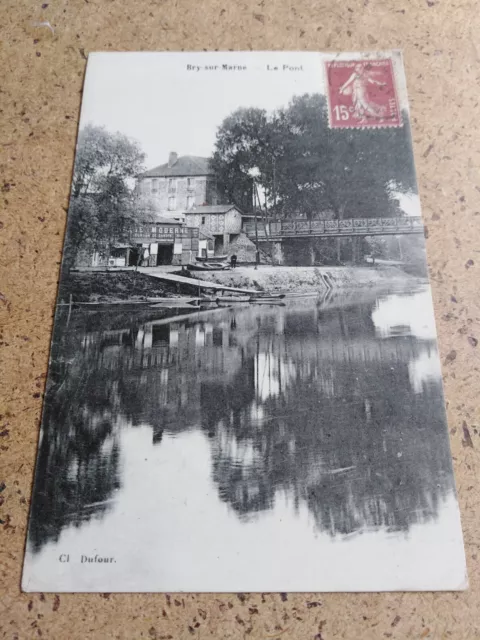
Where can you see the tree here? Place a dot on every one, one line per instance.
(103, 155)
(242, 143)
(354, 173)
(307, 168)
(102, 204)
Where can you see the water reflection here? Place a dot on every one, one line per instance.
(334, 406)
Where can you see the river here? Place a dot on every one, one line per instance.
(300, 446)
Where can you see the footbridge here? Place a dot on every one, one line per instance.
(301, 228)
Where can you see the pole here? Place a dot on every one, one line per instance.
(70, 303)
(265, 221)
(257, 254)
(274, 194)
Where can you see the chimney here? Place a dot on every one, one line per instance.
(172, 158)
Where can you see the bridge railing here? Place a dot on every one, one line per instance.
(348, 227)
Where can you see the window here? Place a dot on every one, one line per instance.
(155, 185)
(172, 203)
(172, 184)
(204, 219)
(190, 202)
(190, 183)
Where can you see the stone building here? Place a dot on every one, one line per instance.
(185, 190)
(148, 244)
(180, 216)
(178, 186)
(222, 221)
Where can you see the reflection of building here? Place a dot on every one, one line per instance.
(296, 401)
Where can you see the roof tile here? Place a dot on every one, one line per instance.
(212, 208)
(184, 166)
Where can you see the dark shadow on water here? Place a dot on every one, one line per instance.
(306, 401)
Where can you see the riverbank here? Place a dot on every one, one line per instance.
(308, 279)
(107, 287)
(112, 286)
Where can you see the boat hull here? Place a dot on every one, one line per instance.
(211, 259)
(208, 267)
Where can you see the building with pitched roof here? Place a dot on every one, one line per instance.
(180, 216)
(185, 189)
(223, 222)
(178, 186)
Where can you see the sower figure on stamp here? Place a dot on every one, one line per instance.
(356, 85)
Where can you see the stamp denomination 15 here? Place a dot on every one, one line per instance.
(362, 94)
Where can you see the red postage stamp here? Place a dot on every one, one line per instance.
(362, 94)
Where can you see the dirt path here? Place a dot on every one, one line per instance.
(208, 282)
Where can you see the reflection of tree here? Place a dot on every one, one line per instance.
(361, 458)
(369, 460)
(301, 401)
(77, 466)
(349, 439)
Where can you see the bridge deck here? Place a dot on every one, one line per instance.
(298, 228)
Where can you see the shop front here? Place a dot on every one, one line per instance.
(165, 243)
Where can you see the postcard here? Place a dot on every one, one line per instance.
(244, 390)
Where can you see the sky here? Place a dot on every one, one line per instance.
(166, 107)
(175, 102)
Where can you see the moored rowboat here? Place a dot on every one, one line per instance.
(267, 296)
(261, 297)
(232, 299)
(208, 266)
(212, 258)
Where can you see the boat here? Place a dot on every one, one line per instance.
(214, 258)
(179, 299)
(123, 305)
(208, 266)
(260, 297)
(266, 296)
(176, 305)
(232, 299)
(276, 301)
(173, 303)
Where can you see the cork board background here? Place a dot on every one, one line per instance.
(40, 93)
